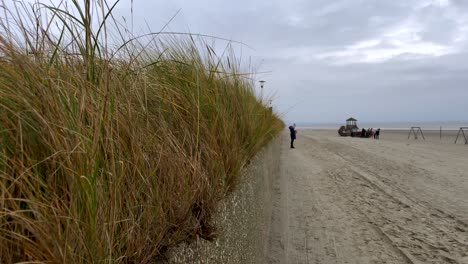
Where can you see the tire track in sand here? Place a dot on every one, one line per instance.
(422, 233)
(314, 221)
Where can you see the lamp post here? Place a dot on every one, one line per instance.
(262, 82)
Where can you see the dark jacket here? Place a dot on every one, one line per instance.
(292, 131)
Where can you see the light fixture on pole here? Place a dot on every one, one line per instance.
(262, 82)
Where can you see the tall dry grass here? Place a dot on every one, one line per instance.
(114, 153)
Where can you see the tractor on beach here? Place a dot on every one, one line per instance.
(352, 130)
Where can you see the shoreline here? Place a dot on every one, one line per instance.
(395, 135)
(385, 128)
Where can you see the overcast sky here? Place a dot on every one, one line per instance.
(376, 60)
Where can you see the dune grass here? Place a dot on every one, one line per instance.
(115, 154)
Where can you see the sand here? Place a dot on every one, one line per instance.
(352, 200)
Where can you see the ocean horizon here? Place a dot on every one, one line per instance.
(433, 125)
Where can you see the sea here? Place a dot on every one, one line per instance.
(435, 125)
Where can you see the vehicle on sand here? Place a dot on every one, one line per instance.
(352, 130)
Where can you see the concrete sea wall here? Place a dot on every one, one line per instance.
(243, 219)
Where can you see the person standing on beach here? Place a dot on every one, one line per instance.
(292, 132)
(377, 134)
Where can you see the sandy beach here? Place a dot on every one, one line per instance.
(353, 200)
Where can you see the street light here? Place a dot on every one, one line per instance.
(262, 82)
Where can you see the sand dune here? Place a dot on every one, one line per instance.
(352, 200)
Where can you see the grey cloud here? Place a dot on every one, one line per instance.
(289, 35)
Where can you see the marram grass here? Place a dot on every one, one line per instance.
(114, 157)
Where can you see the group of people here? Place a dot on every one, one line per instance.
(370, 133)
(377, 134)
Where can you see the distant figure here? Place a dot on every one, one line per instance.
(293, 132)
(363, 133)
(377, 134)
